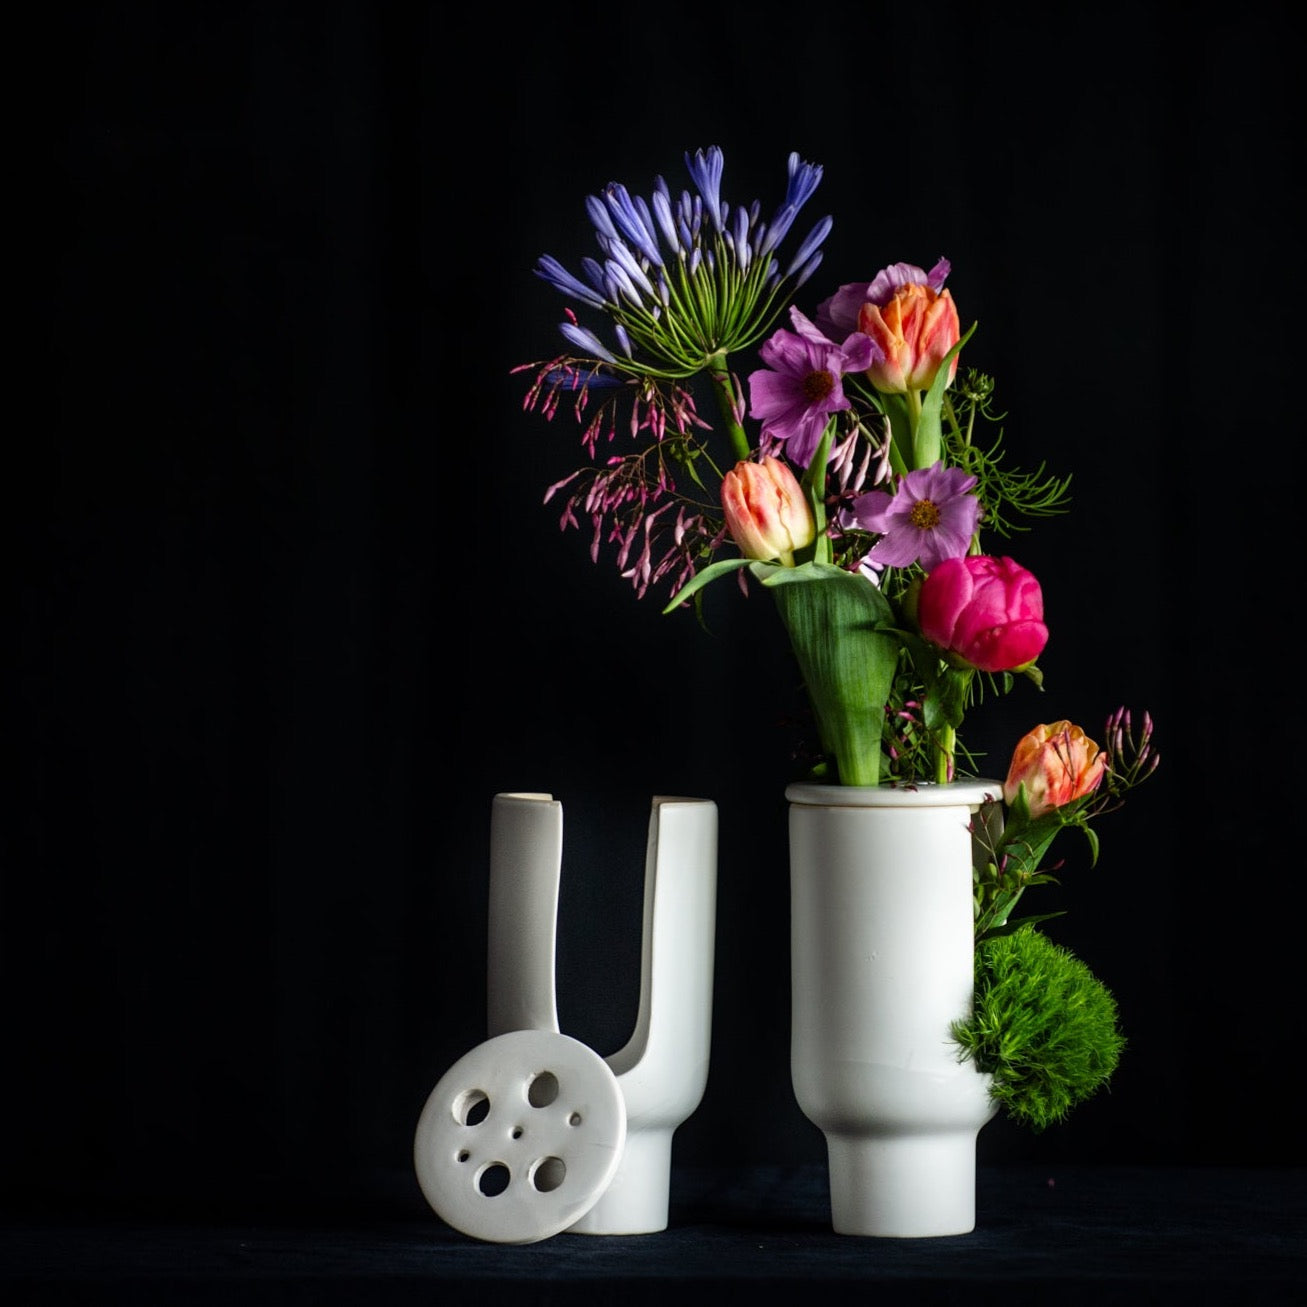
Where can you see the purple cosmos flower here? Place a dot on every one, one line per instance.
(794, 399)
(838, 315)
(931, 517)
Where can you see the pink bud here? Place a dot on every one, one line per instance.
(1056, 763)
(766, 510)
(988, 613)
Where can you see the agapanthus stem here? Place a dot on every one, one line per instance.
(720, 375)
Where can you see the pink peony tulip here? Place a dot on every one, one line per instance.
(987, 613)
(1056, 764)
(766, 510)
(914, 330)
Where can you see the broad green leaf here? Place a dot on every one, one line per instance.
(709, 573)
(841, 629)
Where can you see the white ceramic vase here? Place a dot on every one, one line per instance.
(662, 1070)
(882, 955)
(532, 1133)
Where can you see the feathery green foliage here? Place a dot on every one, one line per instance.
(1042, 1024)
(1007, 494)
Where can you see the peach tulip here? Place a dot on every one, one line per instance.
(1056, 763)
(914, 329)
(767, 513)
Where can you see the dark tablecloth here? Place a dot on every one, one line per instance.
(1063, 1235)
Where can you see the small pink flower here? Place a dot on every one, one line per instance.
(766, 510)
(987, 613)
(1056, 763)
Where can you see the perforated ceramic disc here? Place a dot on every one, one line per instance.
(520, 1137)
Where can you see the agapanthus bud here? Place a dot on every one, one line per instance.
(766, 511)
(1056, 763)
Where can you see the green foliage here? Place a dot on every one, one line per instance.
(1042, 1024)
(1008, 850)
(841, 632)
(1007, 494)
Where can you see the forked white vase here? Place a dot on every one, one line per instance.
(882, 955)
(532, 1133)
(662, 1070)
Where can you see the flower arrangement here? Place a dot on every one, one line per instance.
(858, 477)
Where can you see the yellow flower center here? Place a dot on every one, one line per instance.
(924, 515)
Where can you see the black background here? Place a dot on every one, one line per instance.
(290, 611)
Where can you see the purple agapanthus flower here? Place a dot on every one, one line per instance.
(932, 516)
(680, 279)
(794, 396)
(838, 315)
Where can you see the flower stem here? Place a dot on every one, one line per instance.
(913, 400)
(723, 388)
(944, 758)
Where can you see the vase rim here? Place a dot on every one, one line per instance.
(924, 794)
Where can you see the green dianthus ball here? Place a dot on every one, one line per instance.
(1042, 1025)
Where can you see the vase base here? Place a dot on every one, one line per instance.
(907, 1187)
(636, 1200)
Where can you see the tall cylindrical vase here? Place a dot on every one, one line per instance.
(882, 954)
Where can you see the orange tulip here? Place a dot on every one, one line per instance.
(915, 330)
(1056, 764)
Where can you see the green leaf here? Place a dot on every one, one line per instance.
(841, 629)
(813, 485)
(946, 699)
(1025, 851)
(709, 573)
(928, 439)
(994, 932)
(1092, 836)
(1018, 810)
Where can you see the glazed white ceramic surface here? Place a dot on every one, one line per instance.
(662, 1070)
(520, 1137)
(882, 927)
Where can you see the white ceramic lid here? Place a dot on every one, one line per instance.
(924, 794)
(520, 1137)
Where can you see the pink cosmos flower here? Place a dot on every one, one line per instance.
(931, 517)
(987, 613)
(798, 391)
